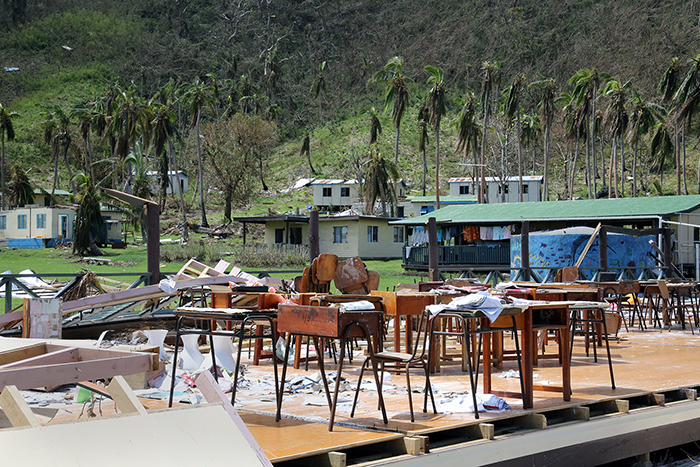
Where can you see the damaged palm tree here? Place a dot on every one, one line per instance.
(85, 285)
(88, 217)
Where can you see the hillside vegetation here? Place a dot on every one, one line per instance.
(305, 66)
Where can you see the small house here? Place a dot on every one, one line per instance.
(335, 195)
(35, 226)
(177, 181)
(500, 190)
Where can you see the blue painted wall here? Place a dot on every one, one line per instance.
(563, 250)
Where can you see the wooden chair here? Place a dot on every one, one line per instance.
(404, 362)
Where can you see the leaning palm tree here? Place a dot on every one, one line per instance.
(199, 96)
(512, 109)
(436, 107)
(6, 129)
(643, 115)
(396, 94)
(318, 88)
(375, 128)
(548, 89)
(306, 151)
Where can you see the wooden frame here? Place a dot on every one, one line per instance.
(43, 364)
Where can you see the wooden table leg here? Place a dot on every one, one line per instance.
(566, 362)
(527, 357)
(487, 361)
(397, 333)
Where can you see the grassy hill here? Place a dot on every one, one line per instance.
(68, 52)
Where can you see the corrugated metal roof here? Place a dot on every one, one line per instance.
(526, 178)
(561, 210)
(443, 199)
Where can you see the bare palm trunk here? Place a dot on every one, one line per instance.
(590, 183)
(425, 168)
(482, 163)
(396, 146)
(2, 170)
(602, 161)
(685, 181)
(201, 177)
(70, 171)
(520, 157)
(634, 169)
(437, 164)
(677, 151)
(573, 170)
(613, 156)
(546, 163)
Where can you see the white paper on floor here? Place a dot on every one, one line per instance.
(464, 403)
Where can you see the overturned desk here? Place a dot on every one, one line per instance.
(329, 322)
(209, 315)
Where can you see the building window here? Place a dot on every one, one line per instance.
(21, 221)
(400, 211)
(3, 222)
(464, 189)
(326, 192)
(526, 189)
(344, 192)
(503, 189)
(398, 234)
(340, 234)
(63, 226)
(41, 221)
(372, 234)
(295, 236)
(279, 235)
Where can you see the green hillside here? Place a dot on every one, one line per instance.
(262, 58)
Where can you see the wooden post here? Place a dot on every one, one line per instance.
(668, 254)
(603, 249)
(433, 271)
(153, 245)
(121, 393)
(314, 247)
(16, 409)
(525, 250)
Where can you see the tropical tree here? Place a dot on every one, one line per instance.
(468, 132)
(688, 98)
(436, 107)
(586, 84)
(129, 121)
(375, 128)
(379, 176)
(669, 84)
(88, 217)
(642, 117)
(6, 129)
(512, 109)
(396, 94)
(20, 188)
(86, 115)
(548, 89)
(423, 118)
(199, 96)
(661, 147)
(58, 135)
(490, 70)
(318, 88)
(574, 124)
(617, 120)
(306, 151)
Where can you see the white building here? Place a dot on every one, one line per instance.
(335, 195)
(500, 190)
(174, 185)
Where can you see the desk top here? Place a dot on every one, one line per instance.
(220, 313)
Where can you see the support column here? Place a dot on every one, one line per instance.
(603, 249)
(433, 271)
(153, 244)
(314, 247)
(525, 250)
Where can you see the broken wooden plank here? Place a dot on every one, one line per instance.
(140, 293)
(124, 397)
(16, 409)
(21, 353)
(63, 355)
(73, 372)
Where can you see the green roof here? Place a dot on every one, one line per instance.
(592, 209)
